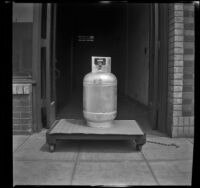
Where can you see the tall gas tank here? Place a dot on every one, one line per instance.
(100, 94)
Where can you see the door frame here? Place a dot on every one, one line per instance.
(163, 68)
(38, 42)
(36, 73)
(50, 44)
(153, 68)
(153, 62)
(158, 70)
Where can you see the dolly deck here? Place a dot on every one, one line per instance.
(72, 129)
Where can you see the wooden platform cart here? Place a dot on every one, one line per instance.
(71, 129)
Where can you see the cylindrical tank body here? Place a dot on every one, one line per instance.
(100, 95)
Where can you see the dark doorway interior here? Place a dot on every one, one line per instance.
(120, 32)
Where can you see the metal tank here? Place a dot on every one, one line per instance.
(100, 94)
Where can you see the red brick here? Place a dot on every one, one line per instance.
(26, 121)
(16, 126)
(188, 20)
(178, 44)
(176, 38)
(16, 121)
(21, 97)
(178, 13)
(177, 113)
(188, 94)
(178, 69)
(178, 6)
(177, 88)
(188, 7)
(178, 50)
(189, 26)
(177, 101)
(180, 120)
(178, 57)
(187, 113)
(188, 57)
(175, 82)
(175, 69)
(174, 131)
(19, 127)
(178, 76)
(178, 19)
(188, 76)
(191, 120)
(25, 127)
(180, 131)
(188, 51)
(25, 115)
(175, 64)
(177, 94)
(186, 131)
(22, 109)
(177, 107)
(187, 70)
(22, 121)
(188, 88)
(186, 121)
(191, 131)
(189, 33)
(22, 103)
(188, 107)
(187, 101)
(189, 82)
(16, 115)
(178, 82)
(189, 13)
(189, 38)
(175, 121)
(176, 26)
(189, 64)
(17, 132)
(176, 32)
(174, 12)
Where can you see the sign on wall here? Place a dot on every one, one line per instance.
(22, 12)
(82, 38)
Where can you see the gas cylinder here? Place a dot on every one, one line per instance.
(100, 94)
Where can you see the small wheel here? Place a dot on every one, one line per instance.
(138, 147)
(51, 148)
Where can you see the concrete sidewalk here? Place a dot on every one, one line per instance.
(101, 162)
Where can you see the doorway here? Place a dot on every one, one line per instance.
(119, 31)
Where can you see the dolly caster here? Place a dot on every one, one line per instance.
(51, 148)
(138, 147)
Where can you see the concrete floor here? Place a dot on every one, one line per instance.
(101, 162)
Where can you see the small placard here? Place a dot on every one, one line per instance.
(82, 38)
(102, 64)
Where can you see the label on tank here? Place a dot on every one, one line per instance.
(100, 99)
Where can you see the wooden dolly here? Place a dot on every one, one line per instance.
(71, 129)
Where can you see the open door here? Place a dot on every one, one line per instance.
(50, 63)
(162, 67)
(158, 67)
(153, 68)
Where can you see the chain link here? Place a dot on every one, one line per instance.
(172, 144)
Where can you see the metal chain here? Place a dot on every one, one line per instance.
(172, 144)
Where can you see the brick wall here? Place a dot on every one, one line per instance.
(181, 70)
(22, 109)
